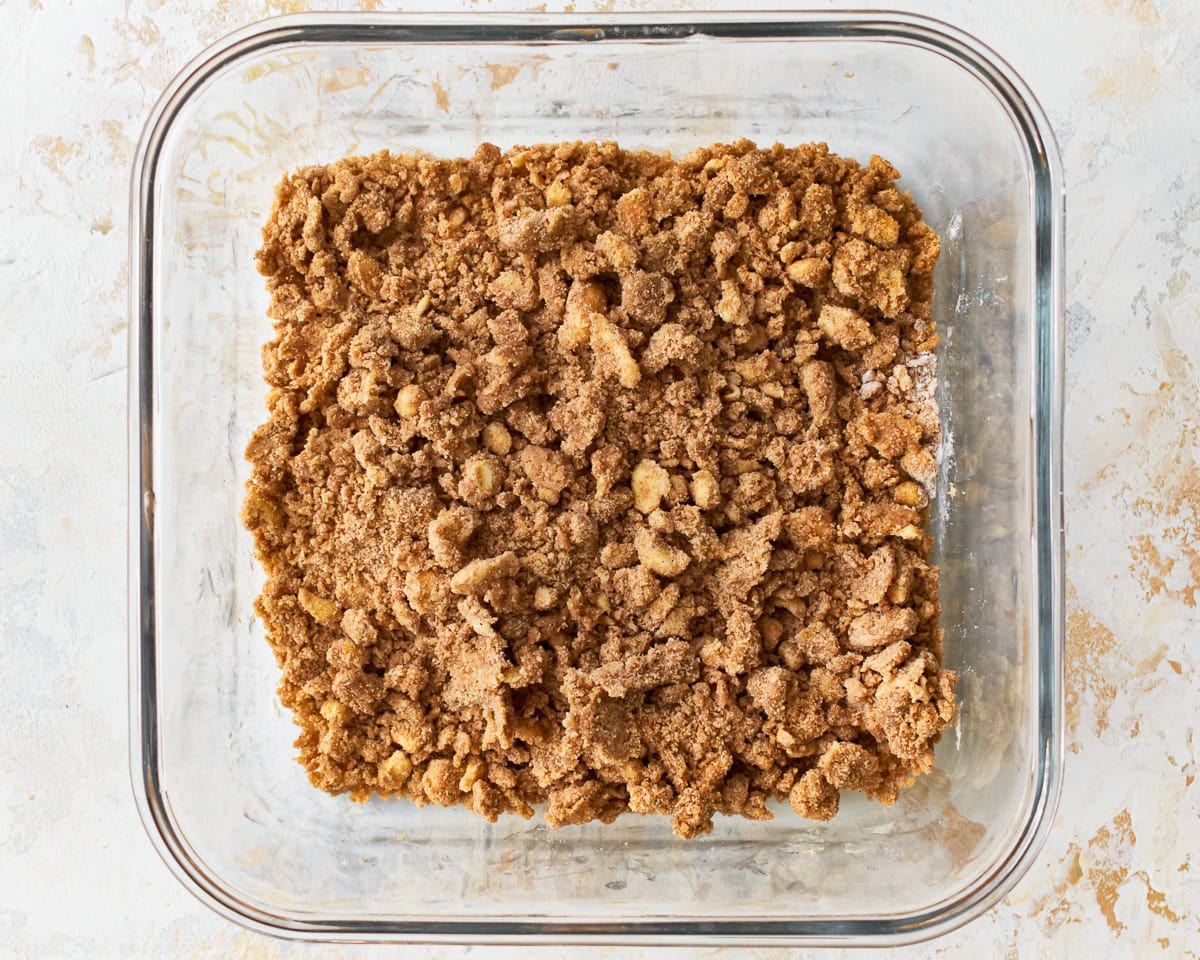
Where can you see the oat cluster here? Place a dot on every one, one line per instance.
(598, 479)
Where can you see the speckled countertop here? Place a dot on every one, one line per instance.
(1120, 80)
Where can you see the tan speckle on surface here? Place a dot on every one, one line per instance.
(1156, 901)
(442, 95)
(55, 152)
(1140, 11)
(88, 49)
(503, 74)
(1107, 855)
(1089, 644)
(346, 78)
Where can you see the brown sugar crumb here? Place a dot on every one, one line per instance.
(599, 480)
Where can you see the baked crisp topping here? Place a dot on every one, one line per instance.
(598, 480)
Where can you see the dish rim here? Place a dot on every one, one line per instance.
(975, 897)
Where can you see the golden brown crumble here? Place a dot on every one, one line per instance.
(598, 479)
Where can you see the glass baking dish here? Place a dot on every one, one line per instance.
(230, 811)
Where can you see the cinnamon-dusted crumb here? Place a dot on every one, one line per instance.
(598, 480)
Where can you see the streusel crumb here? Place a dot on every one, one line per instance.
(599, 480)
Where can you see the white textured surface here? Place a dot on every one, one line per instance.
(1121, 82)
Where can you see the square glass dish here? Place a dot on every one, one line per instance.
(211, 749)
